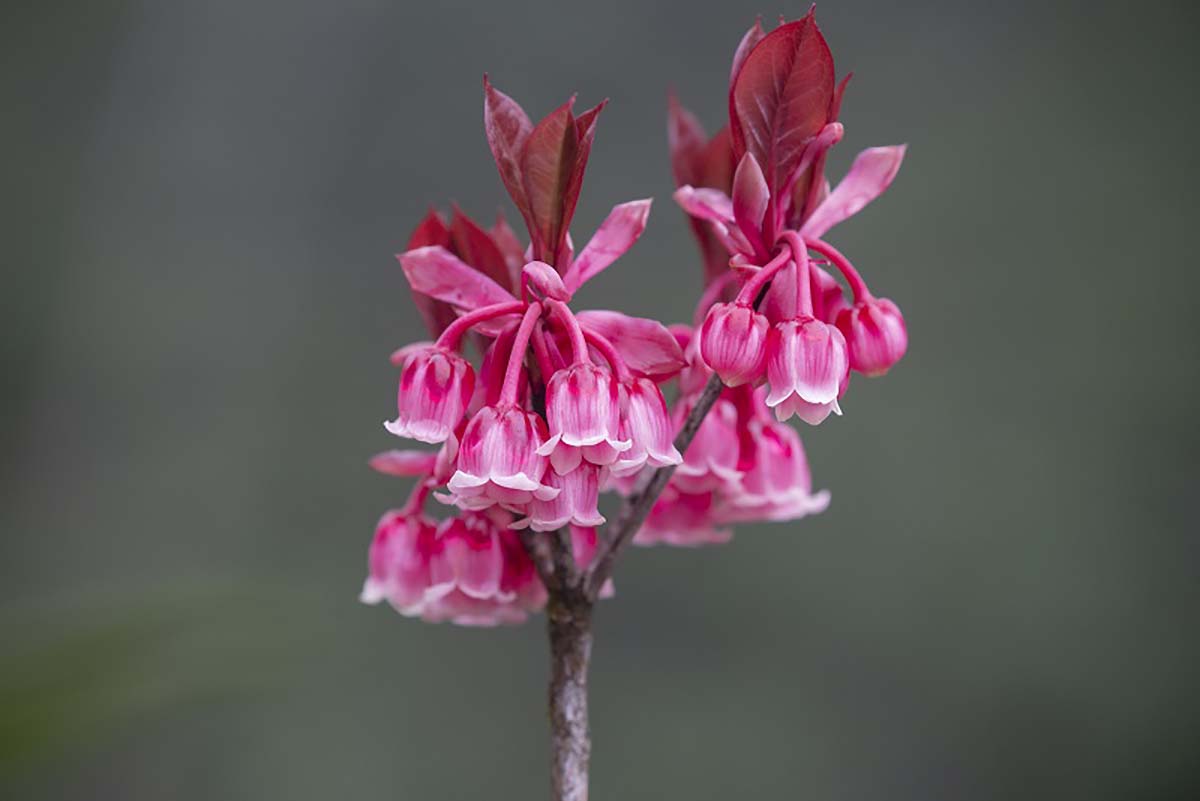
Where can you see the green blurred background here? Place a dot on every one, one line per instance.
(204, 200)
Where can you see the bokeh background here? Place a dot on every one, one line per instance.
(201, 205)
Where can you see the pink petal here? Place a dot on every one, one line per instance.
(403, 463)
(401, 354)
(870, 174)
(645, 345)
(615, 235)
(706, 204)
(436, 272)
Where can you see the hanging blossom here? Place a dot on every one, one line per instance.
(773, 322)
(788, 323)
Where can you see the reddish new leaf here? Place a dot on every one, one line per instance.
(506, 239)
(547, 161)
(585, 133)
(431, 230)
(780, 98)
(475, 246)
(750, 198)
(686, 141)
(751, 38)
(507, 128)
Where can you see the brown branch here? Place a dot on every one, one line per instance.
(649, 487)
(537, 545)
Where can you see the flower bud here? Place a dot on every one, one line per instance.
(875, 335)
(732, 343)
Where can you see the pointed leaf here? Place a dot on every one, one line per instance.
(718, 163)
(585, 133)
(510, 246)
(507, 127)
(436, 272)
(870, 174)
(750, 197)
(620, 229)
(547, 161)
(474, 245)
(751, 38)
(781, 97)
(686, 142)
(431, 230)
(646, 345)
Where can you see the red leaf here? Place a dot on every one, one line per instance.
(718, 162)
(431, 230)
(475, 246)
(585, 133)
(750, 198)
(751, 38)
(506, 239)
(547, 161)
(780, 98)
(686, 142)
(507, 127)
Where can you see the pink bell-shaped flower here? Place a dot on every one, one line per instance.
(682, 519)
(583, 411)
(498, 460)
(480, 574)
(732, 342)
(647, 425)
(711, 461)
(435, 387)
(806, 368)
(778, 483)
(398, 562)
(875, 335)
(575, 504)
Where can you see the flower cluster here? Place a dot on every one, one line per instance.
(787, 323)
(536, 408)
(561, 403)
(773, 323)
